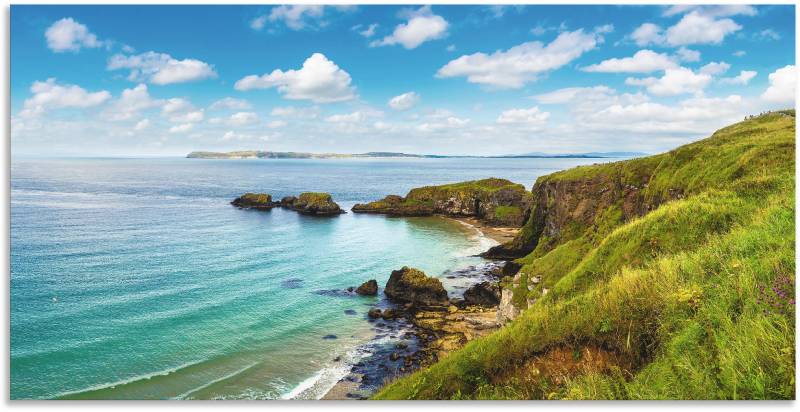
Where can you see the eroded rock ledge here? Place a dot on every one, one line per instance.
(308, 203)
(498, 202)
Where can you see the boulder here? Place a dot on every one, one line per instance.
(368, 288)
(484, 294)
(374, 313)
(254, 201)
(389, 314)
(414, 287)
(288, 201)
(315, 204)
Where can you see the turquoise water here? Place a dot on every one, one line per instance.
(134, 278)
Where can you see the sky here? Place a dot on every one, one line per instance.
(441, 79)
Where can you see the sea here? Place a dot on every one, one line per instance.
(134, 278)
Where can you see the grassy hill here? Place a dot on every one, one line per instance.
(665, 277)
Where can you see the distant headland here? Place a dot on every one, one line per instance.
(258, 154)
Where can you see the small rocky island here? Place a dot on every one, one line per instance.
(307, 203)
(497, 202)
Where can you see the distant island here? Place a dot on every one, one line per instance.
(258, 154)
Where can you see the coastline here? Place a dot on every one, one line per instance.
(350, 386)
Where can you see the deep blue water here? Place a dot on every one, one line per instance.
(134, 278)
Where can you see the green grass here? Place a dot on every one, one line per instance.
(675, 293)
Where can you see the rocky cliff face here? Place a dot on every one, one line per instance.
(498, 202)
(567, 205)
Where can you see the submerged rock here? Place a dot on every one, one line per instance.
(254, 201)
(368, 288)
(413, 286)
(485, 294)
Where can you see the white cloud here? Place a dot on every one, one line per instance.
(696, 28)
(444, 124)
(715, 68)
(713, 11)
(275, 124)
(296, 17)
(743, 78)
(782, 84)
(422, 26)
(569, 94)
(647, 34)
(520, 64)
(142, 125)
(181, 128)
(180, 110)
(693, 28)
(675, 81)
(767, 34)
(319, 80)
(644, 61)
(527, 117)
(369, 31)
(739, 53)
(451, 48)
(230, 103)
(354, 117)
(161, 68)
(69, 35)
(51, 95)
(296, 112)
(131, 103)
(688, 55)
(404, 101)
(242, 118)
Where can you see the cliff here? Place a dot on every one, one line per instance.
(665, 277)
(498, 202)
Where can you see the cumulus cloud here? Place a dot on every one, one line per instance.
(521, 64)
(675, 81)
(693, 28)
(180, 110)
(142, 125)
(715, 68)
(422, 26)
(742, 79)
(687, 55)
(725, 10)
(644, 61)
(132, 102)
(570, 94)
(48, 95)
(296, 112)
(231, 104)
(782, 84)
(319, 80)
(297, 16)
(242, 118)
(181, 128)
(367, 32)
(161, 68)
(442, 124)
(276, 124)
(69, 35)
(354, 117)
(404, 101)
(527, 117)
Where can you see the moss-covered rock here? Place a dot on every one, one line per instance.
(498, 202)
(313, 203)
(368, 288)
(409, 285)
(254, 201)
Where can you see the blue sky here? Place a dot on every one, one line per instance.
(165, 80)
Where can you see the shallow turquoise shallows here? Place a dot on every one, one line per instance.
(135, 278)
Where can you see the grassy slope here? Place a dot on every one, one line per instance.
(675, 293)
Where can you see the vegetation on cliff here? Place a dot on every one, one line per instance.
(499, 202)
(669, 277)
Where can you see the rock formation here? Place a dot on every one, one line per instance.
(409, 285)
(254, 201)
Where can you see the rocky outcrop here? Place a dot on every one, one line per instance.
(254, 201)
(368, 288)
(567, 204)
(315, 204)
(485, 294)
(506, 311)
(498, 202)
(414, 287)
